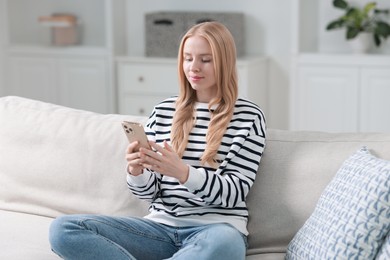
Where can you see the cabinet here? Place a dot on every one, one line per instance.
(342, 93)
(74, 82)
(83, 83)
(375, 94)
(144, 82)
(31, 77)
(332, 89)
(80, 75)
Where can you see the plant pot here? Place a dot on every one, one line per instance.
(362, 43)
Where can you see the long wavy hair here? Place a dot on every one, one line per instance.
(224, 59)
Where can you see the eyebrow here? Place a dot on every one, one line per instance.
(202, 54)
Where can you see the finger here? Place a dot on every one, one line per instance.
(132, 157)
(147, 153)
(131, 147)
(134, 162)
(154, 159)
(147, 166)
(157, 147)
(168, 147)
(152, 167)
(155, 153)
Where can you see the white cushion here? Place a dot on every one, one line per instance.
(57, 160)
(24, 236)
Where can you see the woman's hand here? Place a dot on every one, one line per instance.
(164, 160)
(134, 165)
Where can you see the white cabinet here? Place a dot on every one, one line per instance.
(80, 75)
(75, 82)
(83, 84)
(342, 93)
(375, 99)
(144, 82)
(328, 98)
(31, 77)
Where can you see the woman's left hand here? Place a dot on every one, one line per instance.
(164, 160)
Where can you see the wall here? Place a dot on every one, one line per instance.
(267, 33)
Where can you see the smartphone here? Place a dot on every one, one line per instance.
(135, 132)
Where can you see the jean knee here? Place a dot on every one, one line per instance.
(58, 231)
(232, 239)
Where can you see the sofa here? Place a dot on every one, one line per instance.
(56, 160)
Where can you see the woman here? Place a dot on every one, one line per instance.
(207, 144)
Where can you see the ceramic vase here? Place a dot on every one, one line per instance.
(362, 43)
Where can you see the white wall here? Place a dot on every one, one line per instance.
(267, 33)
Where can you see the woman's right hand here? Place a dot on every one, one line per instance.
(134, 165)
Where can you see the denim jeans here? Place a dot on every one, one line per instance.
(103, 237)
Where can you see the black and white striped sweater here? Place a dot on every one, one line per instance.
(209, 195)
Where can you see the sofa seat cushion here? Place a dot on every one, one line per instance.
(352, 216)
(24, 236)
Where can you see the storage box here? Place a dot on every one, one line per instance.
(63, 28)
(164, 30)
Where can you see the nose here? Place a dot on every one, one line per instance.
(195, 66)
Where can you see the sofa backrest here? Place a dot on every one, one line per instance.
(295, 169)
(56, 160)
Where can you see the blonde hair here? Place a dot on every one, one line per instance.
(224, 59)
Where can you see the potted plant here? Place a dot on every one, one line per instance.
(367, 20)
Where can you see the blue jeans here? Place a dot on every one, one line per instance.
(102, 237)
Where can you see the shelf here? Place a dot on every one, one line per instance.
(63, 70)
(52, 50)
(24, 27)
(309, 34)
(343, 59)
(142, 59)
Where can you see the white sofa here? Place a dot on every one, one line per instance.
(56, 160)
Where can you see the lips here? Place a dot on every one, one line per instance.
(195, 78)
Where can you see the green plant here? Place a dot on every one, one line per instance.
(366, 19)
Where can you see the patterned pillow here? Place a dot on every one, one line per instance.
(384, 251)
(352, 216)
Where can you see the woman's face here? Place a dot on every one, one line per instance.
(198, 67)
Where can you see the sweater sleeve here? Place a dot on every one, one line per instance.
(144, 186)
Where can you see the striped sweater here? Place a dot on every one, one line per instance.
(209, 195)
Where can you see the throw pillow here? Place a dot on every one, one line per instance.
(384, 251)
(352, 216)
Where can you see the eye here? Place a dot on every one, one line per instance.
(187, 58)
(207, 58)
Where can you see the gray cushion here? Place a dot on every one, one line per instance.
(295, 169)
